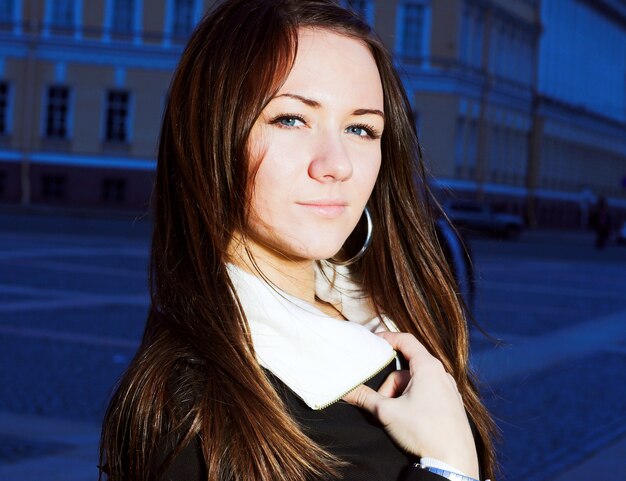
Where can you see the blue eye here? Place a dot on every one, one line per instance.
(360, 131)
(289, 121)
(366, 131)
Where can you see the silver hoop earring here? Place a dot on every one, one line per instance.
(368, 241)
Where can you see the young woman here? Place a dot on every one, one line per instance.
(304, 324)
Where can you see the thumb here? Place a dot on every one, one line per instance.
(364, 397)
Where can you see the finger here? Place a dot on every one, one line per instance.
(395, 384)
(364, 397)
(406, 344)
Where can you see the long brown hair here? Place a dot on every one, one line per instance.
(195, 373)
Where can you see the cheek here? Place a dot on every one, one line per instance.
(264, 176)
(274, 183)
(367, 176)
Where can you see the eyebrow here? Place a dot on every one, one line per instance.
(316, 105)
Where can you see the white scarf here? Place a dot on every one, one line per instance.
(319, 358)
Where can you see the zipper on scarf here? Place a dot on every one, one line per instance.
(371, 376)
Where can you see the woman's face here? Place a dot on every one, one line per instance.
(316, 149)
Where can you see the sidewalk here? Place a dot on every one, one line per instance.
(70, 449)
(532, 355)
(606, 465)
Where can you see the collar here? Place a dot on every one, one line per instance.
(319, 358)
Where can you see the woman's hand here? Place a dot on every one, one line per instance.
(421, 409)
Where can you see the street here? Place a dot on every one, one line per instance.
(556, 382)
(73, 302)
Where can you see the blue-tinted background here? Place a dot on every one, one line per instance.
(520, 107)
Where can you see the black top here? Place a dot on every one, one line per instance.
(342, 429)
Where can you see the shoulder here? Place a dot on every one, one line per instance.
(179, 453)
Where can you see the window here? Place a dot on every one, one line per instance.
(53, 186)
(464, 36)
(459, 147)
(472, 148)
(6, 11)
(4, 108)
(116, 125)
(477, 41)
(413, 30)
(123, 16)
(57, 110)
(511, 53)
(113, 190)
(62, 13)
(471, 38)
(184, 18)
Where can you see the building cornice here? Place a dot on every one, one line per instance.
(615, 10)
(90, 51)
(576, 111)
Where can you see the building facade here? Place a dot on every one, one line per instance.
(579, 133)
(519, 103)
(82, 89)
(470, 72)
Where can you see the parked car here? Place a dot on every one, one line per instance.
(479, 217)
(621, 234)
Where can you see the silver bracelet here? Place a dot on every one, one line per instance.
(446, 474)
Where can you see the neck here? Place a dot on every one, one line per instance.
(295, 277)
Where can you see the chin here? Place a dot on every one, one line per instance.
(326, 251)
(313, 244)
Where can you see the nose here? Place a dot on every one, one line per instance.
(330, 161)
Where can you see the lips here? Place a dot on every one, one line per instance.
(328, 208)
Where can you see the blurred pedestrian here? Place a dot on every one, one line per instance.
(602, 223)
(273, 349)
